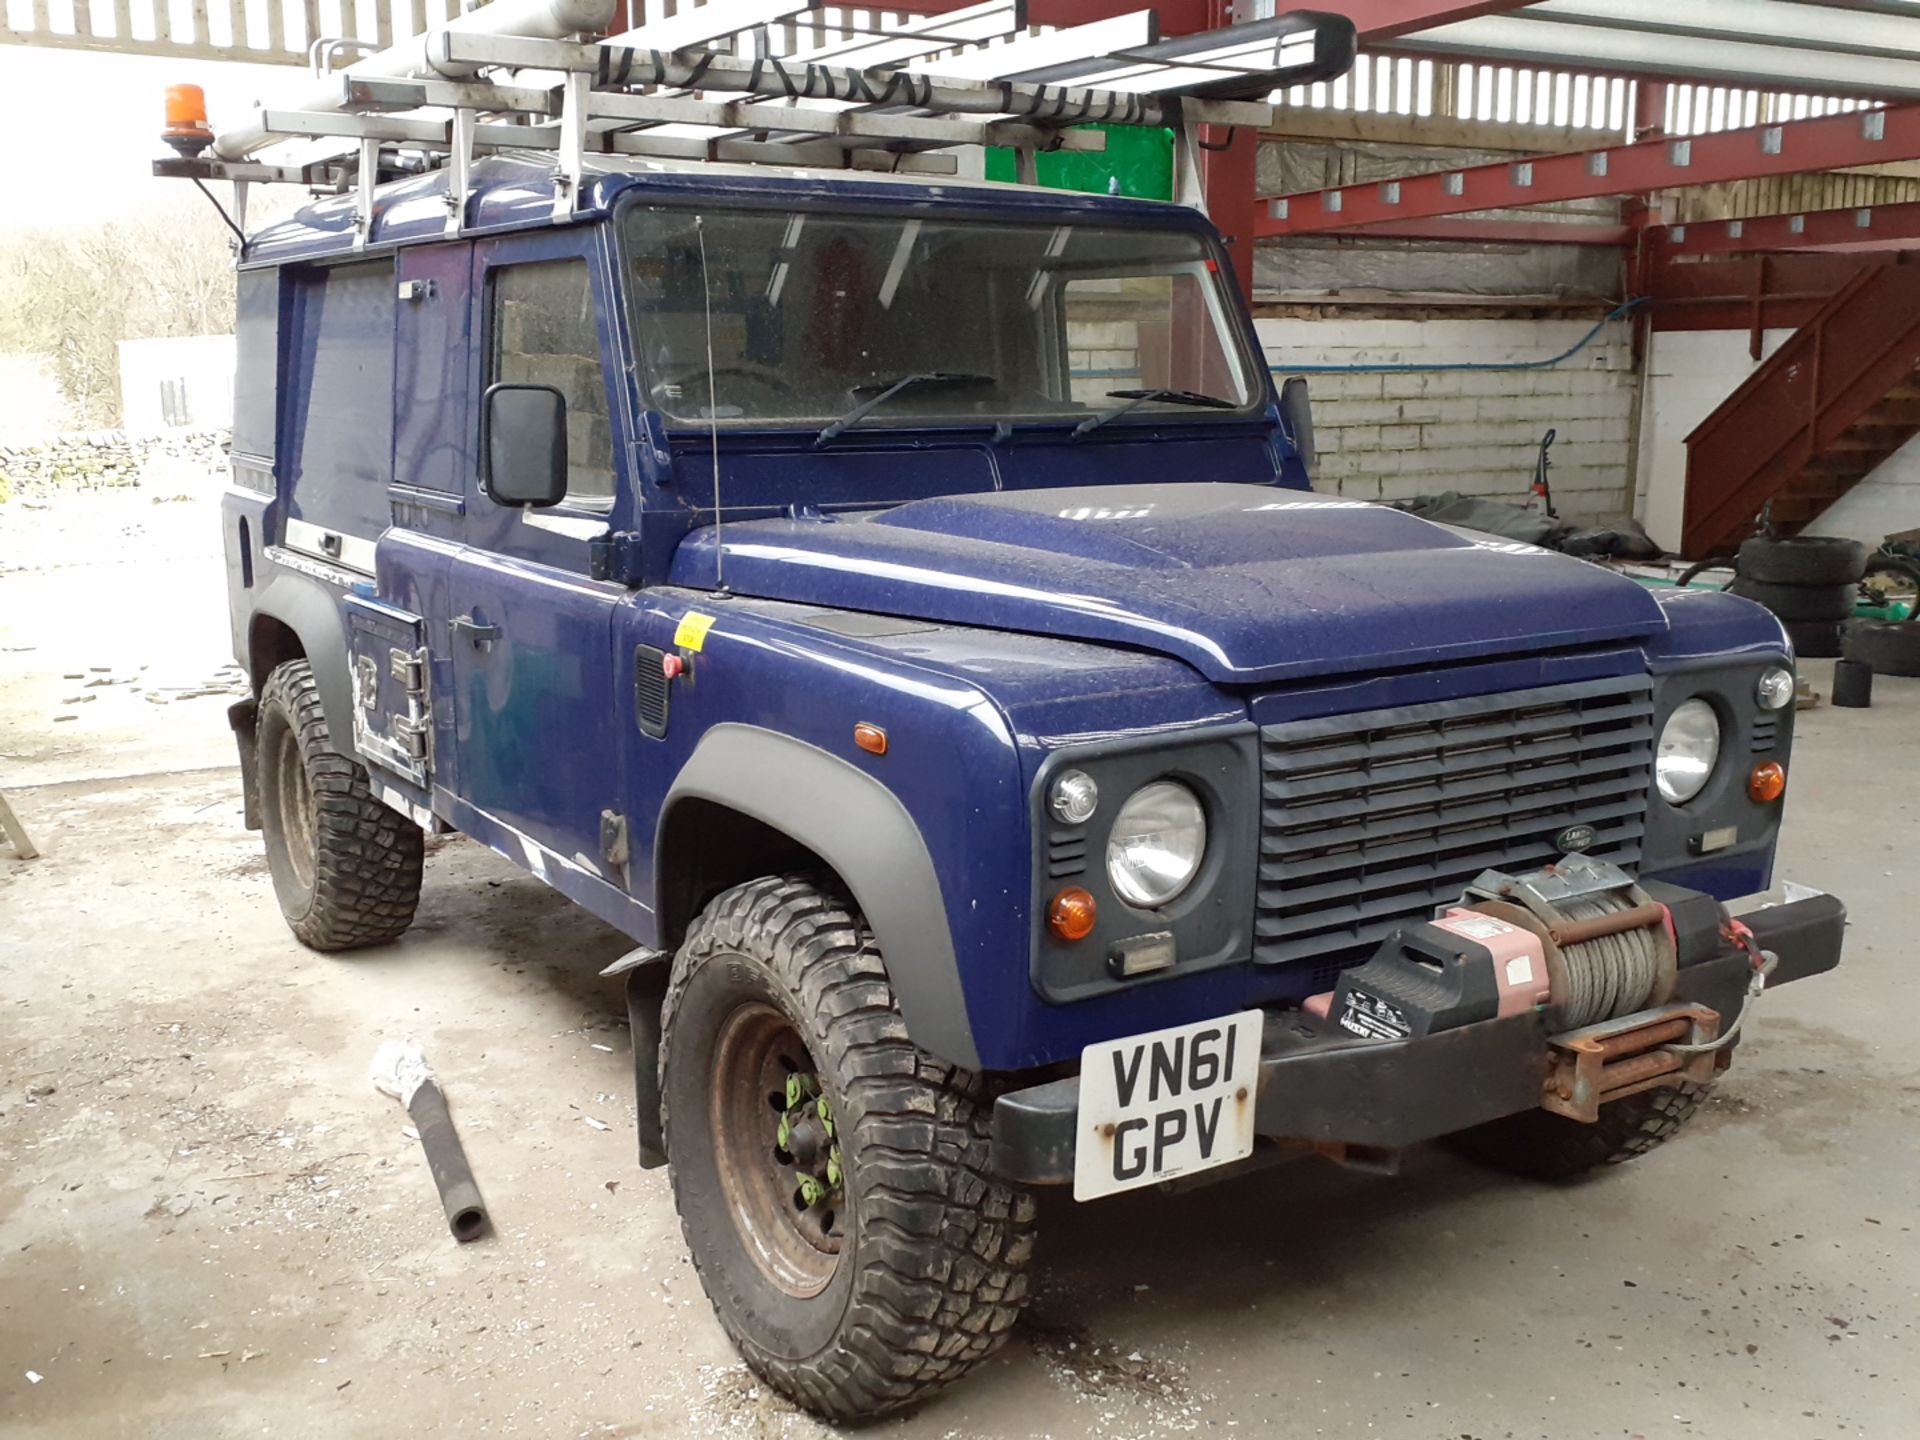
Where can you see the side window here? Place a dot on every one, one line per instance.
(256, 371)
(543, 330)
(336, 410)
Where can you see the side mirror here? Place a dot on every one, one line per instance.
(523, 445)
(1296, 416)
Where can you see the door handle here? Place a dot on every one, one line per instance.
(480, 635)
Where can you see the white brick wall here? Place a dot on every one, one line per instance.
(1397, 435)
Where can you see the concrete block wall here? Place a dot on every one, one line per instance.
(1418, 432)
(1102, 355)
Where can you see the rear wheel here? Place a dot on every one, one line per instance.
(346, 869)
(1543, 1146)
(832, 1179)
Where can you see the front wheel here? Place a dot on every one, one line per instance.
(832, 1179)
(346, 869)
(1543, 1146)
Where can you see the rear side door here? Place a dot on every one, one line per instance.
(402, 682)
(538, 757)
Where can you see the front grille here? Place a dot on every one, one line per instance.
(1370, 820)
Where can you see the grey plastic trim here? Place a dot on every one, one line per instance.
(1747, 734)
(861, 829)
(312, 611)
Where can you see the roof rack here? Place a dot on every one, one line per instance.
(517, 76)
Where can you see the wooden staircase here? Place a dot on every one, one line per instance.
(1840, 396)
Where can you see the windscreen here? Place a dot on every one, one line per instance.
(808, 315)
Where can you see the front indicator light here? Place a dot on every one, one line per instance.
(1072, 914)
(1768, 782)
(1775, 688)
(1073, 798)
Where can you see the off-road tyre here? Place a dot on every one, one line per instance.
(1540, 1145)
(1803, 560)
(346, 869)
(1799, 602)
(929, 1277)
(1815, 639)
(1891, 647)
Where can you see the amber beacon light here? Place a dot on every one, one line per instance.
(187, 130)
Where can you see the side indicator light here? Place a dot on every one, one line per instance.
(673, 666)
(186, 129)
(1768, 782)
(1072, 914)
(870, 738)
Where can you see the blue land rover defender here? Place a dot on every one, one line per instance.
(900, 606)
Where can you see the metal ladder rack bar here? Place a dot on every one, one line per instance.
(618, 67)
(875, 100)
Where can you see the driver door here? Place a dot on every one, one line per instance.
(529, 632)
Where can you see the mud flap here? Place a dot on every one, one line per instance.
(242, 717)
(646, 993)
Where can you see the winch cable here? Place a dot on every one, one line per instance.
(1609, 975)
(1764, 962)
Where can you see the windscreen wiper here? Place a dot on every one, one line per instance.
(1136, 398)
(889, 389)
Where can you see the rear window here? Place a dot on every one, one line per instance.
(256, 371)
(337, 434)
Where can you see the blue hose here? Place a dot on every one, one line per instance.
(1579, 345)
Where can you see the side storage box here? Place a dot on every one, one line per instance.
(392, 677)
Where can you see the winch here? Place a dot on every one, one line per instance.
(1581, 942)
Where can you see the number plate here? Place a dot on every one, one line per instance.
(1171, 1103)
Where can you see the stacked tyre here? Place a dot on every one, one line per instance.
(1811, 582)
(1889, 647)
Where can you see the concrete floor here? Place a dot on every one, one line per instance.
(211, 1226)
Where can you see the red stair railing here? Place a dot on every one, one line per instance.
(1857, 349)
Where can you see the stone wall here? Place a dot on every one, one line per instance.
(179, 460)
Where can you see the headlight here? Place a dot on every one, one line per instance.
(1158, 840)
(1689, 745)
(1775, 689)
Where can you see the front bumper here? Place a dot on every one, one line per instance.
(1320, 1085)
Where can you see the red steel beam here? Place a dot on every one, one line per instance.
(1741, 292)
(1227, 176)
(1489, 232)
(1832, 142)
(1850, 228)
